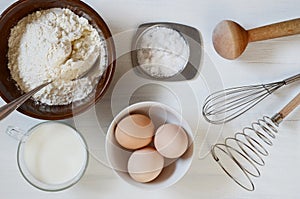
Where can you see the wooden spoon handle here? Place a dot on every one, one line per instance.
(287, 109)
(280, 29)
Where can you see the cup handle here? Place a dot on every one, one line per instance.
(16, 133)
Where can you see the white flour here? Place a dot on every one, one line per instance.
(55, 45)
(162, 52)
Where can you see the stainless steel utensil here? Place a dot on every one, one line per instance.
(247, 148)
(6, 109)
(226, 105)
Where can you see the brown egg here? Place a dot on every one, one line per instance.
(145, 165)
(134, 131)
(171, 141)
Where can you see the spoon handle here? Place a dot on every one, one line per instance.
(285, 28)
(13, 105)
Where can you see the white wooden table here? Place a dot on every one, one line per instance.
(262, 62)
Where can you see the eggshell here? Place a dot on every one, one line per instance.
(171, 141)
(134, 131)
(145, 165)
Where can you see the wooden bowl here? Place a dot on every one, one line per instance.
(8, 89)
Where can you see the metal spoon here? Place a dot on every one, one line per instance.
(13, 105)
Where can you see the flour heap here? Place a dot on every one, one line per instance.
(55, 45)
(162, 52)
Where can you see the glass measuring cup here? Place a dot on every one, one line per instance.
(51, 156)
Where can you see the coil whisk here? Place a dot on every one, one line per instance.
(250, 146)
(247, 149)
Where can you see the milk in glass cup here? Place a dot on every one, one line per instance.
(51, 156)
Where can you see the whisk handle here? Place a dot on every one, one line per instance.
(292, 79)
(287, 109)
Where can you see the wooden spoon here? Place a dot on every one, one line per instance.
(230, 39)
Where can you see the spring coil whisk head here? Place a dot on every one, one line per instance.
(246, 150)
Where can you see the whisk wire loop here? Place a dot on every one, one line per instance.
(251, 147)
(255, 142)
(272, 125)
(245, 155)
(234, 103)
(228, 104)
(248, 145)
(227, 171)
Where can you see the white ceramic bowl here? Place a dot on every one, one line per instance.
(173, 169)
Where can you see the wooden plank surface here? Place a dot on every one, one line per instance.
(262, 62)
